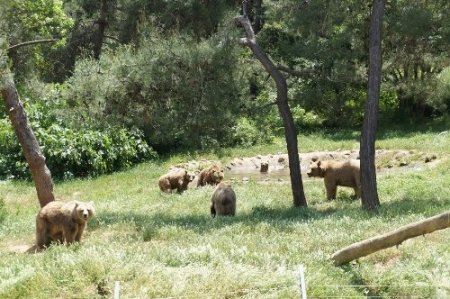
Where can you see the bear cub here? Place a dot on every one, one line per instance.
(337, 173)
(62, 222)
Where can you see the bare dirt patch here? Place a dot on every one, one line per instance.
(254, 168)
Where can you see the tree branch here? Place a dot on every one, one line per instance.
(32, 42)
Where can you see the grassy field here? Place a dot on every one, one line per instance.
(168, 246)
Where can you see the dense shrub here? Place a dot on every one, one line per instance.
(246, 133)
(179, 91)
(72, 152)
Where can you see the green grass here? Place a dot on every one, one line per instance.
(161, 246)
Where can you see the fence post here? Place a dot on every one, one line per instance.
(302, 282)
(117, 290)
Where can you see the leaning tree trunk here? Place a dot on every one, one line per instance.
(30, 146)
(396, 237)
(283, 108)
(369, 194)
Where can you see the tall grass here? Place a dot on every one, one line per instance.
(167, 246)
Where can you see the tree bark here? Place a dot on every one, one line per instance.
(283, 108)
(30, 146)
(369, 194)
(102, 23)
(396, 237)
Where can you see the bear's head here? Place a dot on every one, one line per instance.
(317, 169)
(216, 174)
(84, 210)
(189, 176)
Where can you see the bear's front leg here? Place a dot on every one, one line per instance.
(42, 235)
(79, 232)
(70, 232)
(331, 187)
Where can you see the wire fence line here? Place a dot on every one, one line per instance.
(302, 290)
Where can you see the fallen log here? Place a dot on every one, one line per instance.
(366, 247)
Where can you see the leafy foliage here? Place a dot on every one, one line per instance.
(71, 151)
(178, 91)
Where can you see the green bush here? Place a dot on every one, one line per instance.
(89, 152)
(180, 92)
(246, 133)
(84, 151)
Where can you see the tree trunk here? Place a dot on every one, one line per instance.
(283, 108)
(369, 194)
(100, 34)
(30, 146)
(396, 237)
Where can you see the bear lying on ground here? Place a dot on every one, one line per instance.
(62, 222)
(337, 173)
(211, 175)
(223, 201)
(177, 178)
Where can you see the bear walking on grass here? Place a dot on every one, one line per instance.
(223, 201)
(211, 175)
(178, 179)
(62, 222)
(337, 173)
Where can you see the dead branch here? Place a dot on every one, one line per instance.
(396, 237)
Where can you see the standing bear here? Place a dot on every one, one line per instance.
(211, 175)
(337, 173)
(223, 201)
(62, 222)
(177, 178)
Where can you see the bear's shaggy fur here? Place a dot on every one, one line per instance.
(63, 222)
(177, 178)
(223, 201)
(211, 175)
(337, 173)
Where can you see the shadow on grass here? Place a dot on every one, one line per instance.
(279, 217)
(430, 206)
(205, 223)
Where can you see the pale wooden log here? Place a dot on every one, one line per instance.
(387, 240)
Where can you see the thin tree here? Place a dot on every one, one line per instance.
(36, 161)
(369, 194)
(101, 24)
(282, 104)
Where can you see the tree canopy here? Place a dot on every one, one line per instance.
(174, 72)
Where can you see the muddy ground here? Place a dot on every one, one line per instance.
(249, 168)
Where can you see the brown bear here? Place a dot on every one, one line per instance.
(264, 167)
(211, 175)
(177, 178)
(223, 201)
(62, 222)
(337, 173)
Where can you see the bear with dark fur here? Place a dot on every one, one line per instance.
(223, 201)
(337, 173)
(211, 175)
(177, 178)
(62, 222)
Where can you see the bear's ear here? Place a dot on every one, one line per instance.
(91, 203)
